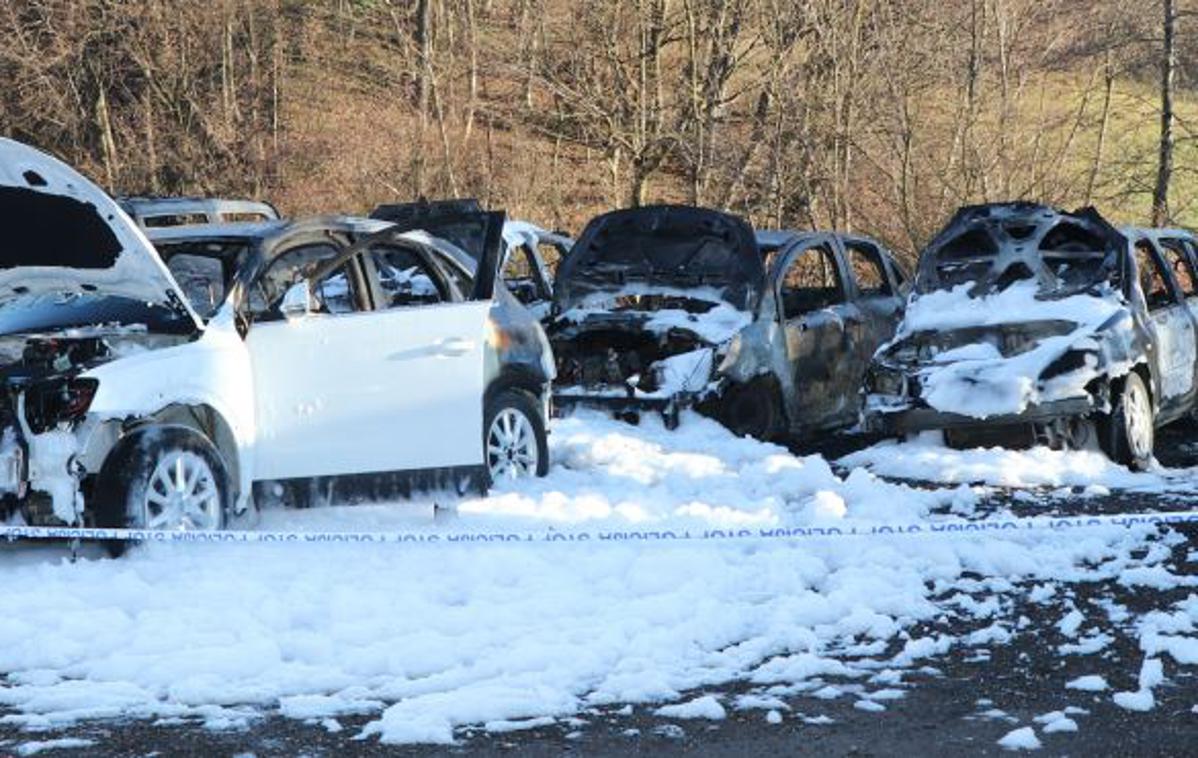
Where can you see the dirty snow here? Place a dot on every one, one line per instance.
(427, 639)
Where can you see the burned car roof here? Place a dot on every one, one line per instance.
(994, 245)
(663, 247)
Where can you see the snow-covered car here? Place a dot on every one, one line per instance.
(668, 307)
(155, 212)
(529, 252)
(322, 352)
(1032, 325)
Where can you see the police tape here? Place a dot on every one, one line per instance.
(954, 527)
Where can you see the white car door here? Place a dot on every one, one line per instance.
(349, 390)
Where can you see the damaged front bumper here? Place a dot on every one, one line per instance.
(896, 415)
(670, 407)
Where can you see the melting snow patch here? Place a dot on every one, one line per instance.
(1023, 738)
(503, 726)
(773, 717)
(1088, 683)
(759, 702)
(63, 743)
(670, 731)
(1135, 701)
(706, 707)
(1063, 724)
(1071, 623)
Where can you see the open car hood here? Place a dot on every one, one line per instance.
(64, 235)
(664, 249)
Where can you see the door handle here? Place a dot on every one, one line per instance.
(454, 346)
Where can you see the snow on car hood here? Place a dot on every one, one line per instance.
(978, 375)
(66, 235)
(662, 249)
(715, 326)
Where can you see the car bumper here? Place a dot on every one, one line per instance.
(889, 417)
(671, 405)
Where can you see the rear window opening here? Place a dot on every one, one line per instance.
(173, 219)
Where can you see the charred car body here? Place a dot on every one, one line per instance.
(669, 307)
(1032, 325)
(327, 350)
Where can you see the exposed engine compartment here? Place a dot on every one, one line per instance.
(43, 398)
(619, 360)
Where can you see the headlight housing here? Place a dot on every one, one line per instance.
(887, 381)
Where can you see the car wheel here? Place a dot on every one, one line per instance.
(1127, 433)
(514, 439)
(751, 409)
(168, 478)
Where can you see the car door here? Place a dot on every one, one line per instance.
(878, 305)
(312, 386)
(1179, 263)
(1176, 341)
(817, 320)
(366, 384)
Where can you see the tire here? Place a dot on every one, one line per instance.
(144, 480)
(515, 444)
(751, 409)
(1127, 433)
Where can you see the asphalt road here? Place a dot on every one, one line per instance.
(953, 709)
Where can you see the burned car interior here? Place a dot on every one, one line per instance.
(529, 253)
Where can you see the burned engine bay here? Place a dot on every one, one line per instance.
(655, 351)
(43, 398)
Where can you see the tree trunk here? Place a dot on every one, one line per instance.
(423, 72)
(1103, 125)
(1160, 196)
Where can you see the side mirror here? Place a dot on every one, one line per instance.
(297, 301)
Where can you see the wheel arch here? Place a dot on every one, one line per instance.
(519, 378)
(116, 434)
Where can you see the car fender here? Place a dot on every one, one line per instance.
(213, 370)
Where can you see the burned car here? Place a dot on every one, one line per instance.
(333, 351)
(668, 307)
(155, 212)
(1031, 325)
(530, 253)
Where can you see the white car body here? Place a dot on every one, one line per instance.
(384, 389)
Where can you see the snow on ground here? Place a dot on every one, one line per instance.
(429, 638)
(927, 458)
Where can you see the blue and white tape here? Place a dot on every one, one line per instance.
(945, 527)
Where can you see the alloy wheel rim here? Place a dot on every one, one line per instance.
(182, 494)
(1139, 421)
(512, 450)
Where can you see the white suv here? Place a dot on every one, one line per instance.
(327, 351)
